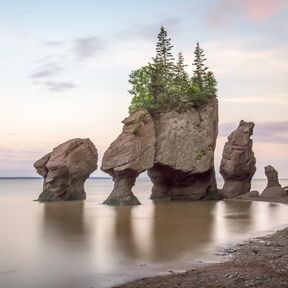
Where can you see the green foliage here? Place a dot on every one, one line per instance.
(164, 85)
(201, 154)
(136, 129)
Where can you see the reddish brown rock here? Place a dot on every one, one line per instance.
(273, 188)
(129, 155)
(176, 148)
(238, 161)
(65, 170)
(184, 156)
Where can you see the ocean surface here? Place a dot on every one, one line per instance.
(85, 244)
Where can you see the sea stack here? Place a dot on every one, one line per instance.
(184, 153)
(273, 188)
(177, 149)
(238, 162)
(65, 170)
(129, 155)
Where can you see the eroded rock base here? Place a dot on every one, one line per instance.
(177, 185)
(122, 191)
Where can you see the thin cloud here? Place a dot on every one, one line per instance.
(54, 43)
(87, 47)
(54, 86)
(224, 12)
(271, 132)
(277, 98)
(48, 70)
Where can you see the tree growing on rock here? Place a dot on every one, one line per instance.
(164, 85)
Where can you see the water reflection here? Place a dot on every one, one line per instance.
(124, 231)
(180, 226)
(64, 222)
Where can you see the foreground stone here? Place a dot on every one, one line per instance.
(238, 162)
(128, 156)
(66, 169)
(273, 188)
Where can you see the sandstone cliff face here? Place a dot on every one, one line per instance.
(184, 156)
(238, 161)
(65, 170)
(129, 155)
(177, 149)
(273, 188)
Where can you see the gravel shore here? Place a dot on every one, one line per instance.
(260, 262)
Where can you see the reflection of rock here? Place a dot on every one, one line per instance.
(65, 170)
(181, 227)
(129, 155)
(124, 234)
(184, 159)
(238, 161)
(273, 188)
(64, 219)
(176, 148)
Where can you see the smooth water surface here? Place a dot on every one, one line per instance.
(85, 244)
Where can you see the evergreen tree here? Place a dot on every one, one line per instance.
(210, 85)
(165, 86)
(164, 56)
(200, 68)
(180, 85)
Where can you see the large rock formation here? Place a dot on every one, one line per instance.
(129, 155)
(177, 149)
(65, 170)
(273, 188)
(184, 156)
(238, 161)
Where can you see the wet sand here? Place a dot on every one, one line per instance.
(260, 262)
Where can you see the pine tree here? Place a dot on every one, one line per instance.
(200, 71)
(164, 55)
(180, 83)
(210, 85)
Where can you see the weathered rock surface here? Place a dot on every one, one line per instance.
(129, 155)
(238, 161)
(273, 188)
(184, 156)
(65, 170)
(177, 149)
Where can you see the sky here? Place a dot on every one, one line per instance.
(65, 67)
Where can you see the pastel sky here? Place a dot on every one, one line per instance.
(65, 65)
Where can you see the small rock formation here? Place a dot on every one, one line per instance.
(273, 188)
(176, 148)
(129, 155)
(65, 170)
(249, 195)
(184, 157)
(238, 162)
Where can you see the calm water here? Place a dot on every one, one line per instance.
(85, 244)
